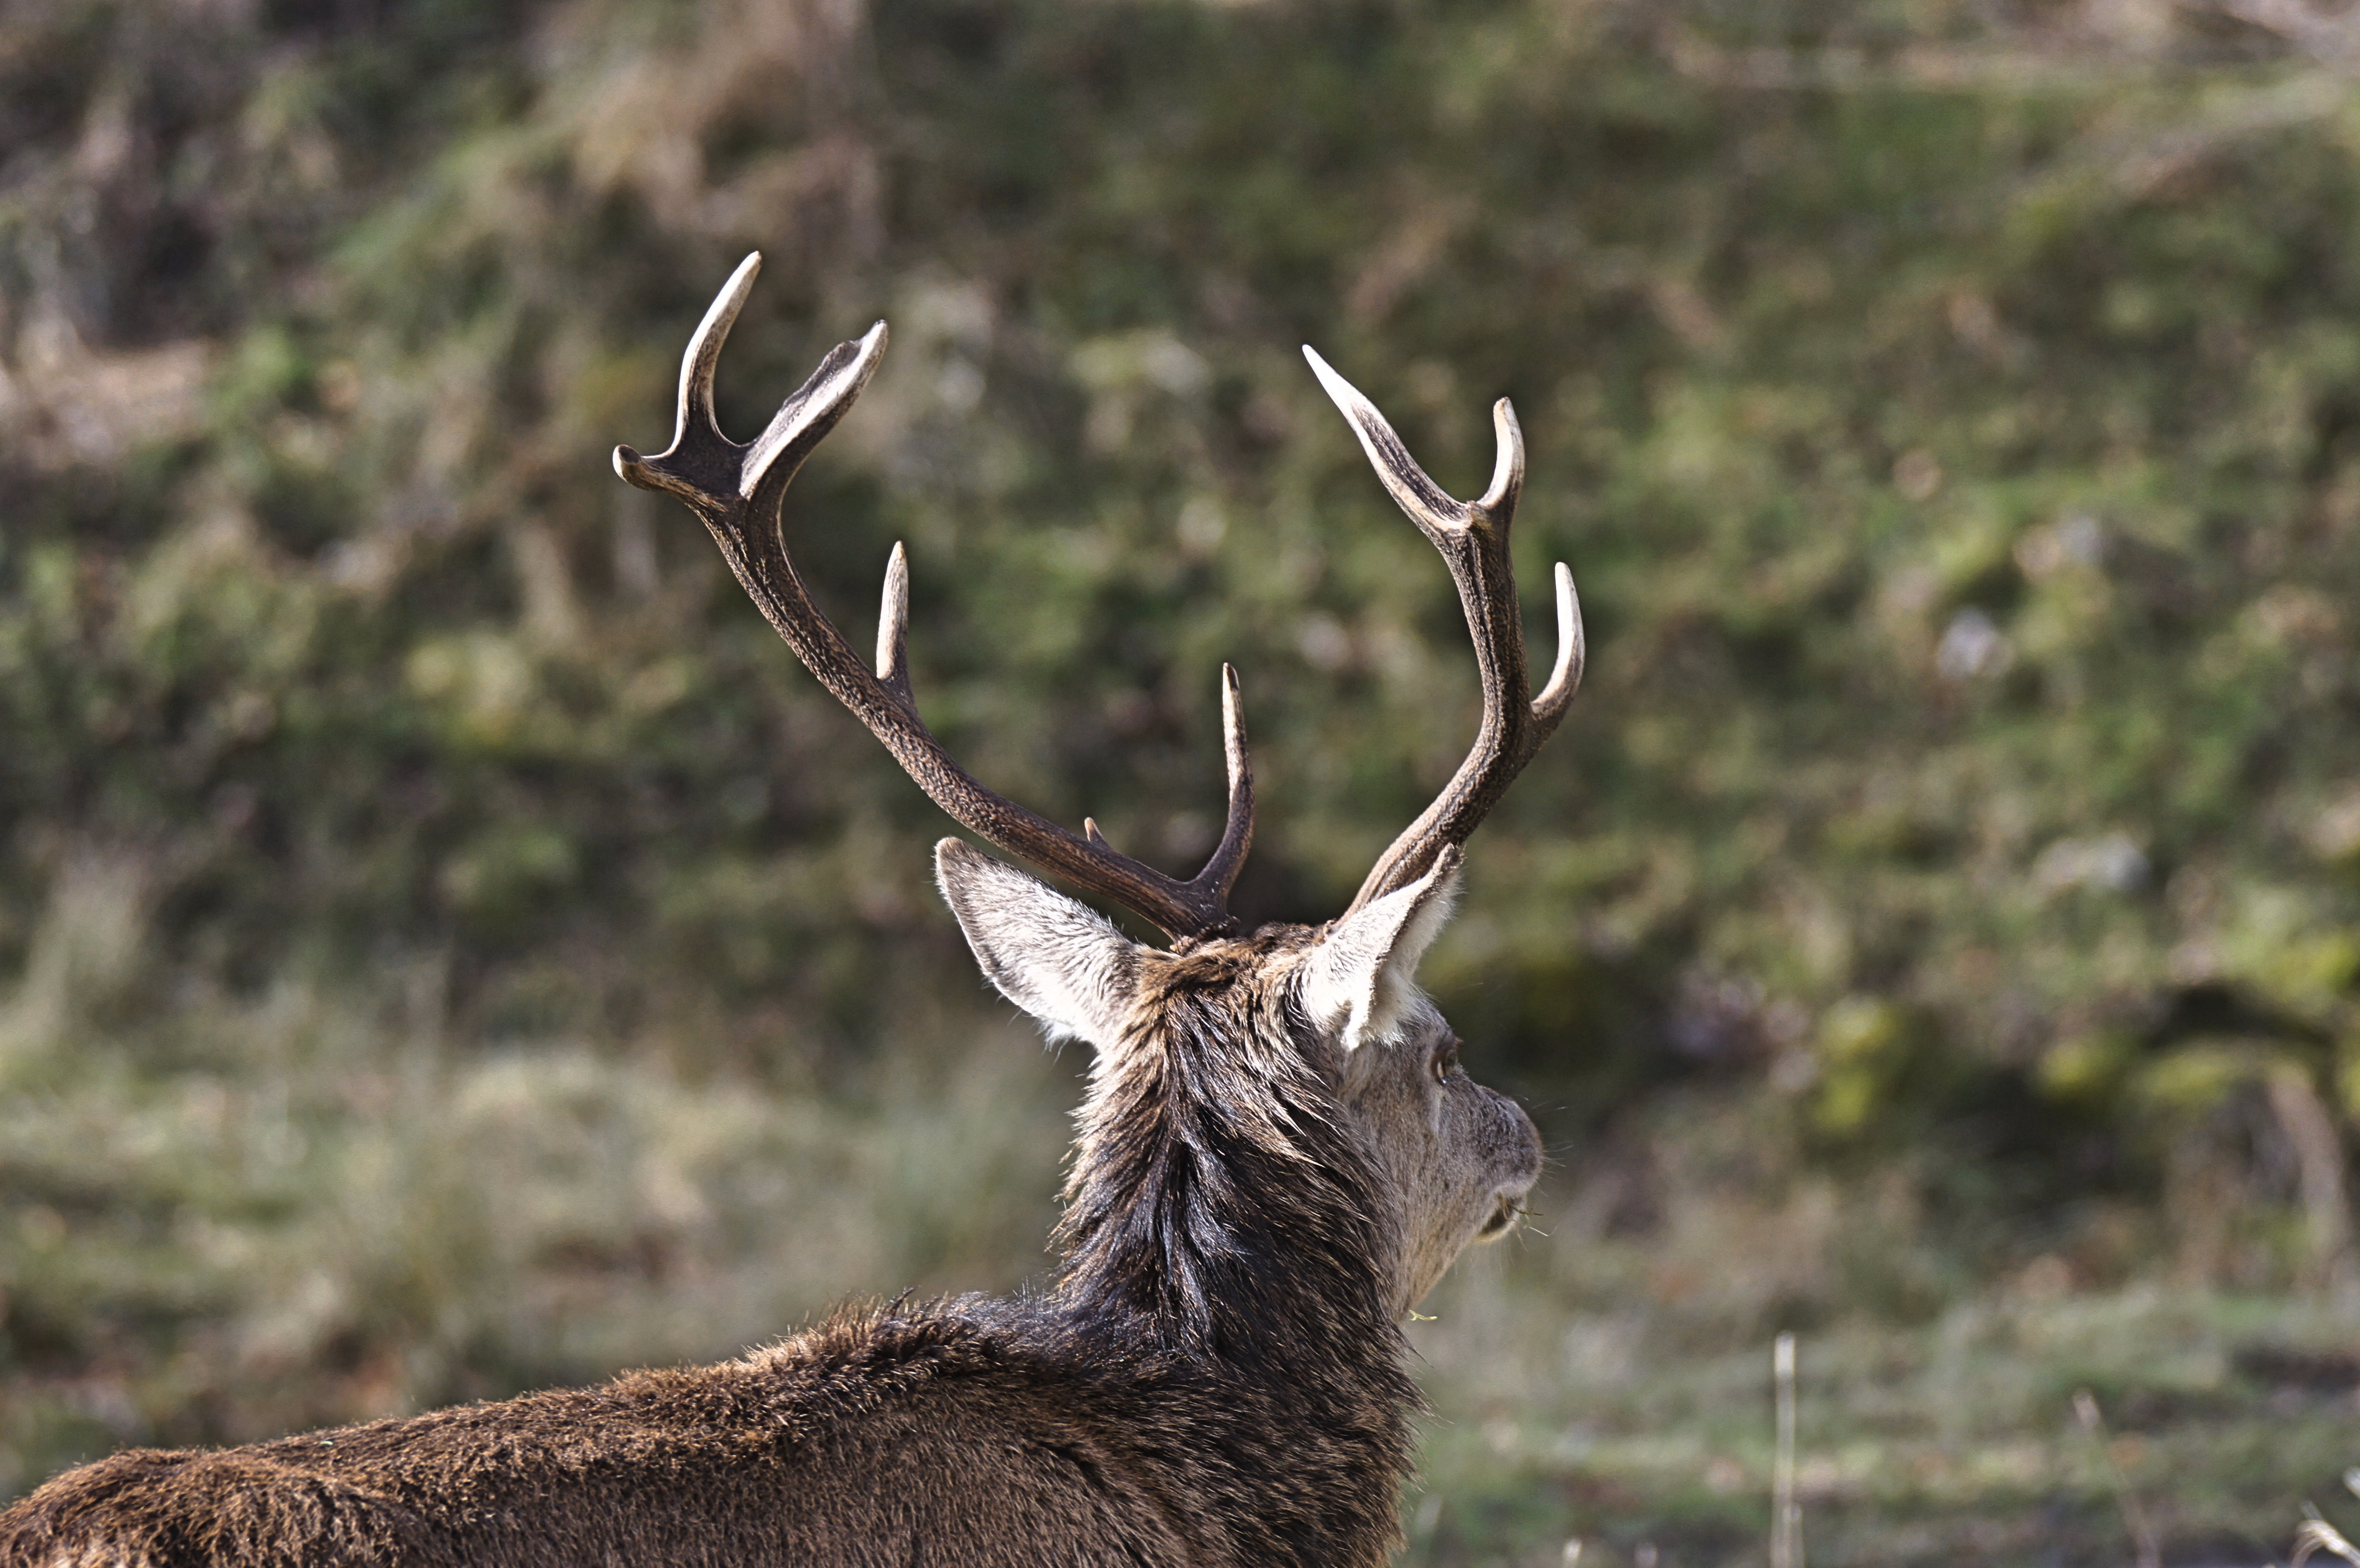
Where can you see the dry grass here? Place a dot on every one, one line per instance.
(288, 1213)
(1645, 1426)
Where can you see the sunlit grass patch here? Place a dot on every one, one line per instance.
(1954, 1439)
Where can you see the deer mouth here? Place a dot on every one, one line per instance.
(1503, 1218)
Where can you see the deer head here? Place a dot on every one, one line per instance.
(1310, 1045)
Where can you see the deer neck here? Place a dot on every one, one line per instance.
(1218, 1201)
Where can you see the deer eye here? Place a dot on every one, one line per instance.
(1446, 1061)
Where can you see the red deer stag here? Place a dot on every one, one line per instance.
(1278, 1156)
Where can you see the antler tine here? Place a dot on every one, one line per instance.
(804, 420)
(1473, 539)
(893, 628)
(1237, 835)
(735, 490)
(701, 460)
(704, 352)
(1572, 654)
(1220, 872)
(1429, 506)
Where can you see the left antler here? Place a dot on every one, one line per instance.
(1473, 539)
(737, 490)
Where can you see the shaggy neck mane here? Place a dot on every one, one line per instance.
(1223, 1228)
(1216, 1199)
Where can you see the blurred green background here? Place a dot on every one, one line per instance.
(448, 946)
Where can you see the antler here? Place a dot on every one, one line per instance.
(737, 490)
(1473, 539)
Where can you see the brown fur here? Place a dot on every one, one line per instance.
(1215, 1378)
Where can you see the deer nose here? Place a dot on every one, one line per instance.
(1520, 1150)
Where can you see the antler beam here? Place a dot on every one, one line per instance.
(1473, 539)
(737, 490)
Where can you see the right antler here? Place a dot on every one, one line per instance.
(1473, 539)
(737, 491)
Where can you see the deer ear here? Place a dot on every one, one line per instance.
(1360, 972)
(1063, 962)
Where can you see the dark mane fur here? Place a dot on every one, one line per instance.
(1213, 1197)
(1219, 1213)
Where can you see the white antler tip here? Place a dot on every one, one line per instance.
(1233, 733)
(893, 624)
(1565, 675)
(1346, 396)
(705, 351)
(1508, 467)
(725, 304)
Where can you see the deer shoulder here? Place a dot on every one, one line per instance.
(1278, 1156)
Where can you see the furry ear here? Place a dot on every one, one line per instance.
(1063, 964)
(1360, 971)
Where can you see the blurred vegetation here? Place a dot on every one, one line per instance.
(446, 944)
